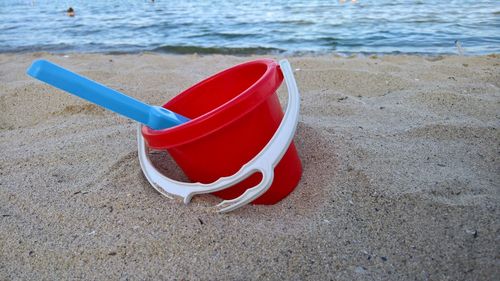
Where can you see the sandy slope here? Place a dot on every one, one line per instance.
(401, 177)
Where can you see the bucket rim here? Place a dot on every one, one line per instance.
(213, 120)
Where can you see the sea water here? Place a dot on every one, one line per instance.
(251, 27)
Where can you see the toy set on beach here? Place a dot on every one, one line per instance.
(227, 133)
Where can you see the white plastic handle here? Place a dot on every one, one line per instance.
(264, 162)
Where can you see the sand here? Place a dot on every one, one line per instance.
(401, 177)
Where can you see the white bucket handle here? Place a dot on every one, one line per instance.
(264, 162)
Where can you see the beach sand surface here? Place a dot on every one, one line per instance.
(401, 176)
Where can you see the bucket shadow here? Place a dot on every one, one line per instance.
(165, 164)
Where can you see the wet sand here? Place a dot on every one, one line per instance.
(401, 177)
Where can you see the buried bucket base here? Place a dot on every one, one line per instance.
(264, 162)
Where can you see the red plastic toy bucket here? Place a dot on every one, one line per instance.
(233, 116)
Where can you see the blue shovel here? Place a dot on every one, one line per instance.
(155, 117)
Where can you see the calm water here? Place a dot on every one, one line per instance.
(243, 27)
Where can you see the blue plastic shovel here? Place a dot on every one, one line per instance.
(155, 117)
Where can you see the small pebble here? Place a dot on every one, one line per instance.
(360, 269)
(473, 232)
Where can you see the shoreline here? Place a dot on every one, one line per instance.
(400, 158)
(250, 53)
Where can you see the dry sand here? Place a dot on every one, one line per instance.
(401, 177)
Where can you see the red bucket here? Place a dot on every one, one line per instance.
(233, 116)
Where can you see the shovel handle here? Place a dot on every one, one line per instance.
(153, 116)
